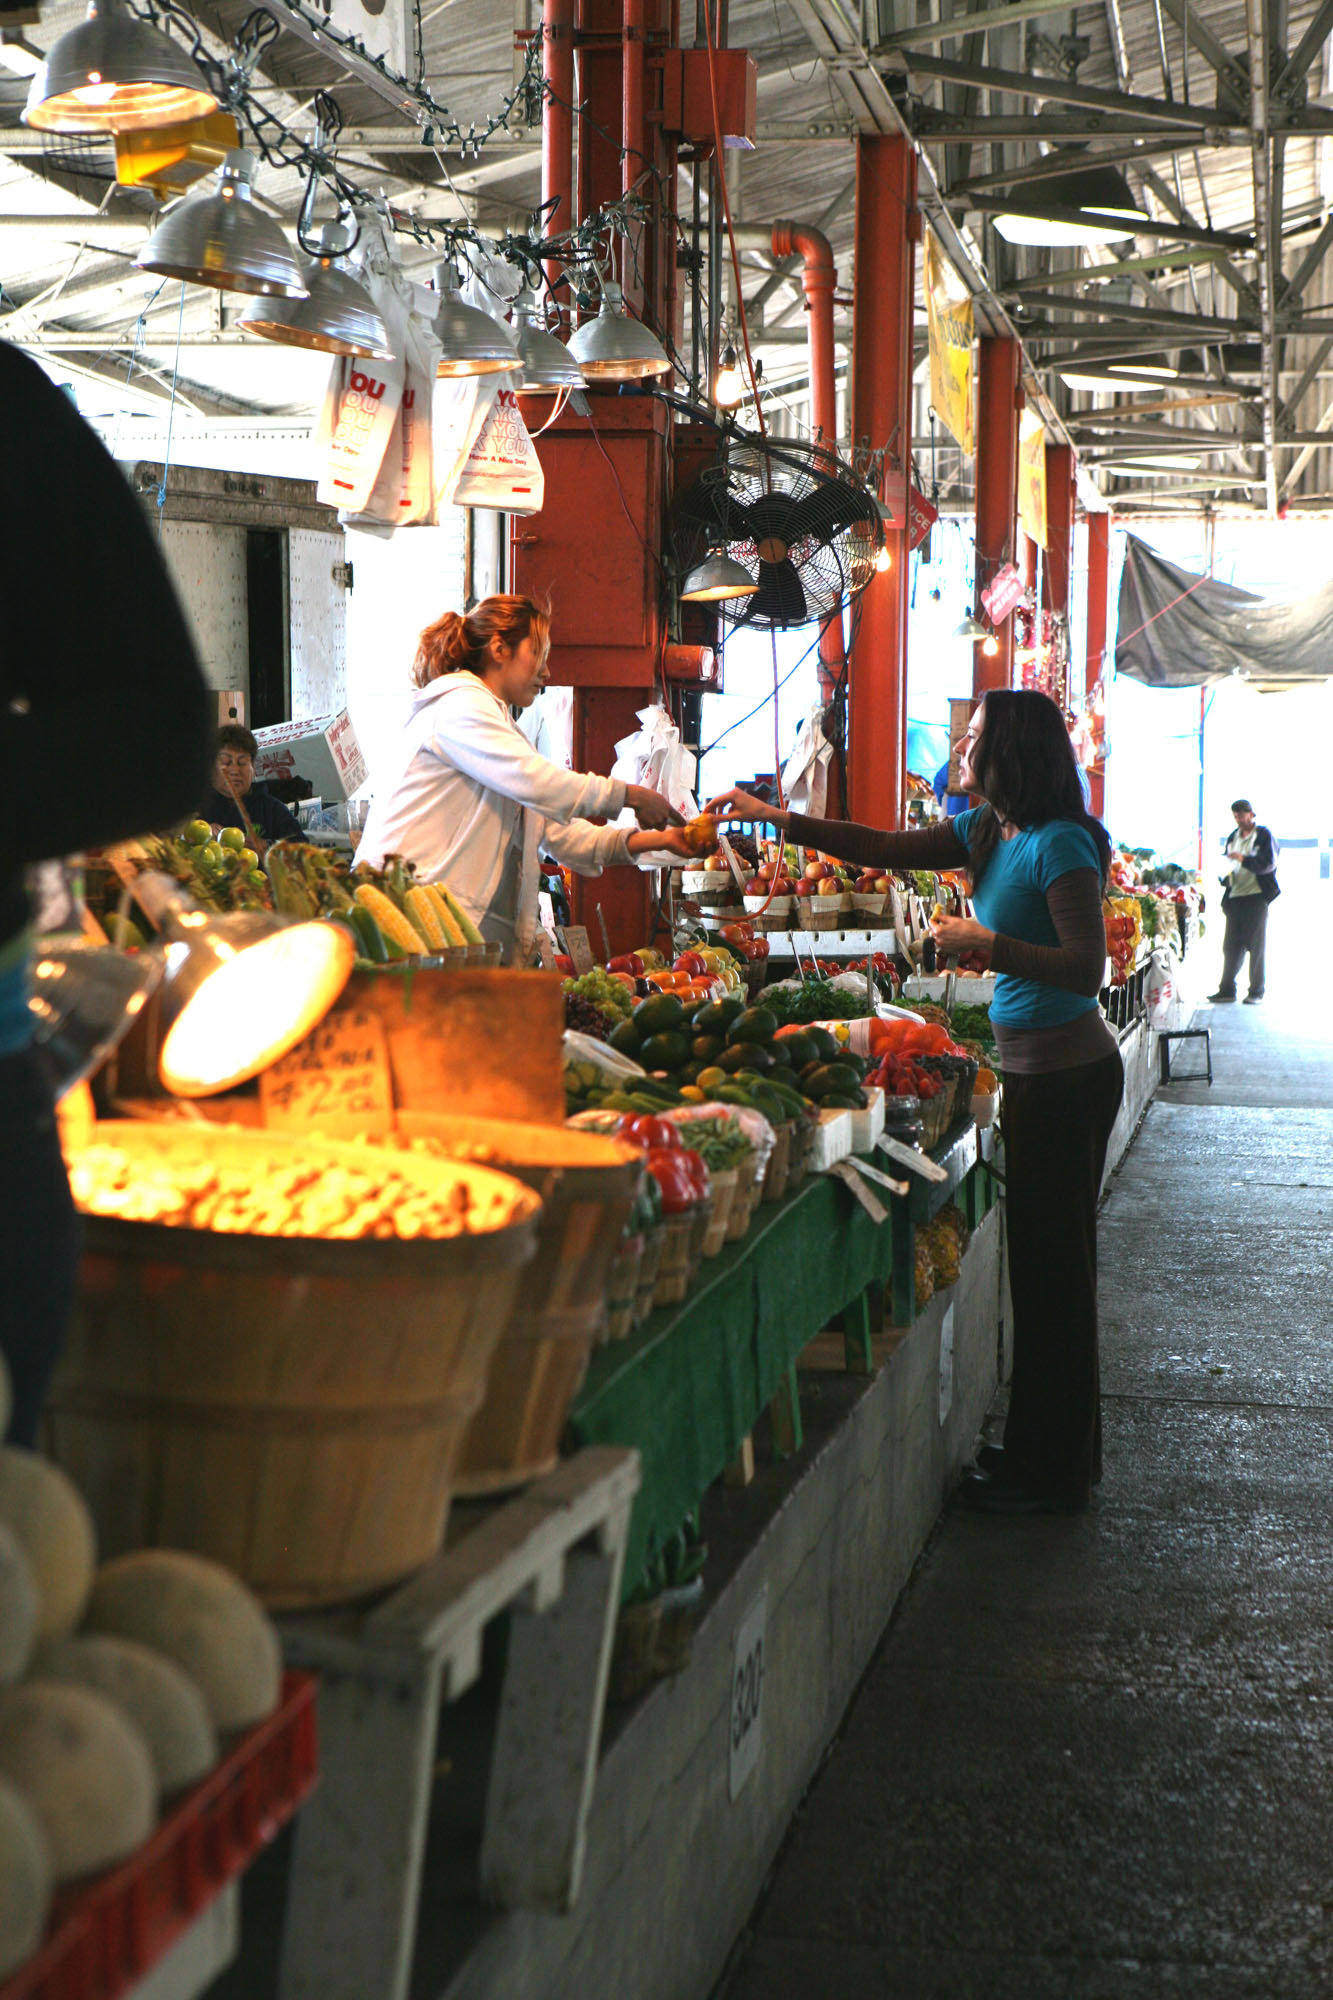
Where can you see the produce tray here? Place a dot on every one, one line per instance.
(106, 1934)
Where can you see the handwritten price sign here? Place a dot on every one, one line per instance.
(336, 1081)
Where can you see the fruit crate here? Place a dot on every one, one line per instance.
(106, 1934)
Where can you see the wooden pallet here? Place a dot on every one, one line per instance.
(552, 1558)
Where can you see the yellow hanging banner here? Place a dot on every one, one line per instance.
(949, 315)
(1032, 478)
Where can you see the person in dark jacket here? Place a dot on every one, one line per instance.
(236, 798)
(1249, 885)
(104, 733)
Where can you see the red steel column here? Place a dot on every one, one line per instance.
(818, 279)
(888, 227)
(1059, 534)
(1099, 543)
(558, 120)
(997, 491)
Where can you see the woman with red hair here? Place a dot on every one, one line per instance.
(472, 803)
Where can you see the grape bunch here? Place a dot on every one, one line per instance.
(586, 1019)
(612, 999)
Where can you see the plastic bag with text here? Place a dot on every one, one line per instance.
(655, 756)
(404, 491)
(805, 773)
(493, 460)
(1159, 989)
(356, 423)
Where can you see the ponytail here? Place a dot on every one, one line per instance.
(461, 641)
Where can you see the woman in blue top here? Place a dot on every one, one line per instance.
(1038, 862)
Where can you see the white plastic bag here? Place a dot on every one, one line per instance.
(491, 460)
(805, 773)
(403, 494)
(1159, 989)
(355, 426)
(655, 756)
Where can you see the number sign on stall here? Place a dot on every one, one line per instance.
(336, 1081)
(745, 1734)
(578, 946)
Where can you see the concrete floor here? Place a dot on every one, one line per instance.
(1093, 1757)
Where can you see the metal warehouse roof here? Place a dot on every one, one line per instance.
(1216, 112)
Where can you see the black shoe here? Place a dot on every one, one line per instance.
(981, 1494)
(1221, 996)
(1253, 999)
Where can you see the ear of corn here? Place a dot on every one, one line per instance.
(453, 930)
(470, 932)
(395, 928)
(422, 913)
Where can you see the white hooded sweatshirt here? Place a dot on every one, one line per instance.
(472, 803)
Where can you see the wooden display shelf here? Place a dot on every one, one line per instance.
(552, 1558)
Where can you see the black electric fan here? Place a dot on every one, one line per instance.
(796, 517)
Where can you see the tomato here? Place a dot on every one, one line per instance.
(699, 1176)
(669, 1167)
(641, 1128)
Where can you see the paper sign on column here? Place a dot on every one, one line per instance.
(336, 1081)
(578, 947)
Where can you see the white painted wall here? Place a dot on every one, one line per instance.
(400, 584)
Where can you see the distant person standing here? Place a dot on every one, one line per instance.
(1249, 885)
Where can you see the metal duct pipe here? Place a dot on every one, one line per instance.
(818, 279)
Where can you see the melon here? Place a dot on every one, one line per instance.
(203, 1618)
(18, 1608)
(83, 1768)
(45, 1513)
(164, 1704)
(25, 1879)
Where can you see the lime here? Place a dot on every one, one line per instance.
(249, 859)
(213, 855)
(231, 836)
(197, 832)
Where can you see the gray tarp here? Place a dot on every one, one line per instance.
(1177, 629)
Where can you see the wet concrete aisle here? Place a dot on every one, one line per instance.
(1094, 1757)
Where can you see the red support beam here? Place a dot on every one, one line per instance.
(999, 403)
(558, 122)
(1099, 545)
(1059, 535)
(888, 227)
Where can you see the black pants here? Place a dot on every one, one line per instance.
(1056, 1131)
(1247, 929)
(39, 1249)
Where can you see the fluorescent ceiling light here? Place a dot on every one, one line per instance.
(1051, 213)
(1159, 370)
(1108, 384)
(1169, 461)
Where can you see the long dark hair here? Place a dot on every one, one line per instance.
(1026, 769)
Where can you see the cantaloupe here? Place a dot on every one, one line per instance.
(83, 1768)
(18, 1608)
(45, 1513)
(25, 1879)
(163, 1703)
(203, 1618)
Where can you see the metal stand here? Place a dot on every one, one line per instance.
(1164, 1040)
(553, 1559)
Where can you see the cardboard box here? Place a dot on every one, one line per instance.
(320, 748)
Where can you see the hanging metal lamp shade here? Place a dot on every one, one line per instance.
(223, 240)
(717, 577)
(338, 316)
(471, 342)
(972, 628)
(615, 348)
(1090, 205)
(547, 363)
(114, 73)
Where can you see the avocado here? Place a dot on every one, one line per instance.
(667, 1050)
(655, 1016)
(716, 1016)
(625, 1037)
(755, 1025)
(745, 1055)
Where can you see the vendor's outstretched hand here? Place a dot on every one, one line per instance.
(650, 808)
(671, 840)
(739, 805)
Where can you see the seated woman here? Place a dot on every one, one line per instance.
(236, 798)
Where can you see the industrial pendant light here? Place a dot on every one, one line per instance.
(717, 577)
(114, 73)
(615, 348)
(338, 316)
(1107, 384)
(1091, 205)
(547, 363)
(223, 240)
(471, 342)
(972, 628)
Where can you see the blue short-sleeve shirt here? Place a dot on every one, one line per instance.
(1012, 898)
